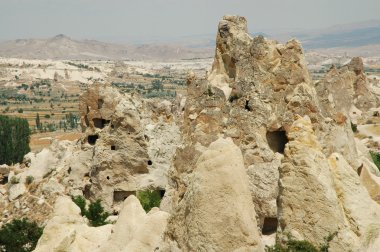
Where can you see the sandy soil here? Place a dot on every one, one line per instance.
(39, 141)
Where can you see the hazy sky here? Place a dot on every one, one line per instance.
(123, 20)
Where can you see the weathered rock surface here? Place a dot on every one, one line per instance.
(216, 212)
(135, 230)
(308, 203)
(68, 230)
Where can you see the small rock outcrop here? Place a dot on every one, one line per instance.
(67, 230)
(217, 212)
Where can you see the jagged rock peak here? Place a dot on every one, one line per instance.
(356, 65)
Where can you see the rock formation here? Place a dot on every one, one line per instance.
(217, 212)
(256, 90)
(255, 152)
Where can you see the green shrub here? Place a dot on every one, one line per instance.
(29, 180)
(95, 212)
(376, 158)
(292, 245)
(14, 180)
(149, 199)
(81, 203)
(96, 215)
(19, 236)
(354, 127)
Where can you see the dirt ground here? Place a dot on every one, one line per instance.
(39, 141)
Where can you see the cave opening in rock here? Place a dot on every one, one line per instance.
(359, 170)
(247, 106)
(100, 103)
(3, 179)
(87, 191)
(162, 193)
(270, 226)
(277, 140)
(150, 162)
(92, 139)
(113, 147)
(100, 123)
(119, 196)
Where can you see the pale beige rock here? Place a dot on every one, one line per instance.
(135, 230)
(16, 190)
(218, 188)
(308, 203)
(68, 230)
(362, 213)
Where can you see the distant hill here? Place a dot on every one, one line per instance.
(358, 39)
(62, 47)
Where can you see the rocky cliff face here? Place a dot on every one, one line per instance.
(254, 94)
(127, 145)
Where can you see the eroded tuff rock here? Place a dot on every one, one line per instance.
(346, 91)
(128, 145)
(264, 153)
(309, 208)
(67, 230)
(134, 230)
(256, 90)
(253, 94)
(217, 212)
(133, 142)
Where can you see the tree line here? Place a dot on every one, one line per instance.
(14, 139)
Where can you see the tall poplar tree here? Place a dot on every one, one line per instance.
(14, 139)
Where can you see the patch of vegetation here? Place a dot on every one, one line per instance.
(96, 215)
(29, 179)
(81, 203)
(292, 245)
(376, 158)
(149, 199)
(14, 180)
(19, 236)
(14, 139)
(354, 127)
(95, 212)
(83, 66)
(157, 85)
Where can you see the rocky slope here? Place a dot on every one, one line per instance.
(257, 152)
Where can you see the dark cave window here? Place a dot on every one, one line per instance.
(113, 147)
(100, 123)
(162, 193)
(247, 106)
(92, 139)
(359, 170)
(150, 162)
(3, 180)
(119, 196)
(270, 226)
(277, 140)
(100, 103)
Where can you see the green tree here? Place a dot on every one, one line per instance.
(38, 122)
(149, 199)
(96, 215)
(19, 236)
(157, 85)
(81, 203)
(95, 212)
(14, 139)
